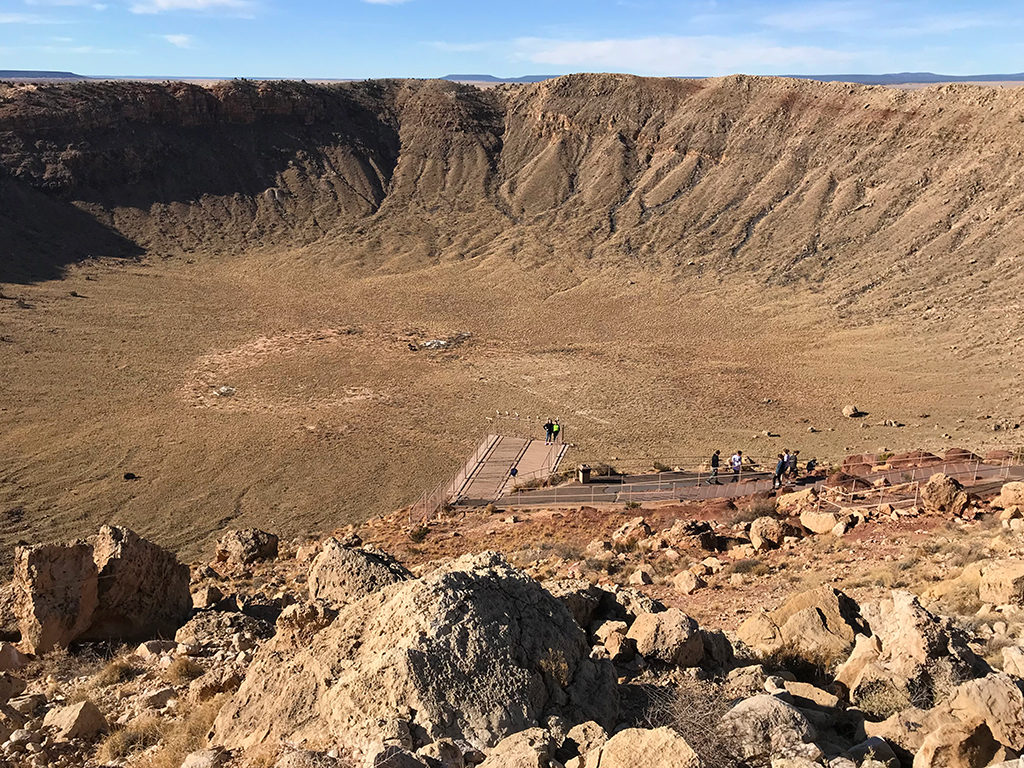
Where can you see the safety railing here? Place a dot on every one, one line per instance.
(432, 500)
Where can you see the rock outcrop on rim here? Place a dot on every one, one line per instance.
(475, 651)
(116, 587)
(342, 575)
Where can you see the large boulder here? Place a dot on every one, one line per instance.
(997, 702)
(764, 727)
(944, 495)
(11, 659)
(342, 575)
(634, 747)
(8, 617)
(670, 637)
(532, 748)
(10, 686)
(77, 721)
(55, 594)
(242, 547)
(956, 745)
(582, 598)
(912, 653)
(819, 624)
(1010, 495)
(1002, 582)
(473, 652)
(766, 533)
(142, 588)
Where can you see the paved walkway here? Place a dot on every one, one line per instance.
(692, 486)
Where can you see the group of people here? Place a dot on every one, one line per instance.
(552, 431)
(735, 464)
(785, 467)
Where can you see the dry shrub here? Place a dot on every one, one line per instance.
(812, 666)
(694, 708)
(141, 733)
(117, 671)
(183, 670)
(759, 506)
(751, 566)
(418, 534)
(184, 735)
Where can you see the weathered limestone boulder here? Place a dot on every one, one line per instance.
(341, 575)
(762, 727)
(669, 637)
(249, 545)
(766, 533)
(912, 651)
(581, 740)
(300, 621)
(77, 721)
(205, 758)
(633, 747)
(10, 686)
(390, 757)
(582, 598)
(8, 617)
(852, 411)
(631, 533)
(997, 702)
(11, 659)
(1002, 582)
(944, 495)
(55, 592)
(1010, 495)
(820, 624)
(473, 652)
(532, 748)
(817, 521)
(142, 588)
(795, 502)
(1013, 661)
(688, 582)
(956, 745)
(442, 754)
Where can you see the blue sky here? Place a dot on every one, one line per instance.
(428, 38)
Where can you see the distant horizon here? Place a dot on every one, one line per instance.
(428, 38)
(864, 78)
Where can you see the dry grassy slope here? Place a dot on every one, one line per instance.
(849, 244)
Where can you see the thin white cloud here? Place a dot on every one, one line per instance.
(164, 6)
(26, 18)
(70, 4)
(179, 41)
(681, 55)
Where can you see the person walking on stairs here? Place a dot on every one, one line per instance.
(736, 463)
(556, 428)
(549, 429)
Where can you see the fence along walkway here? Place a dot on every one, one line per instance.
(692, 485)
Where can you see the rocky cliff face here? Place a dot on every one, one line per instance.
(795, 181)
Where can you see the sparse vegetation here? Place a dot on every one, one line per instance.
(141, 733)
(183, 670)
(694, 708)
(117, 671)
(184, 735)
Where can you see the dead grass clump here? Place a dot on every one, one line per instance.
(418, 534)
(117, 671)
(185, 735)
(751, 566)
(183, 670)
(141, 733)
(759, 506)
(694, 708)
(882, 700)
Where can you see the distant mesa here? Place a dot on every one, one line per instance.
(493, 79)
(33, 74)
